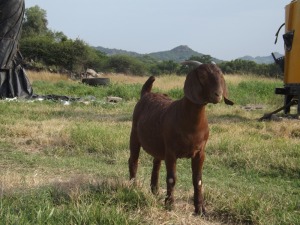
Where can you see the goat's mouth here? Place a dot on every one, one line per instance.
(216, 98)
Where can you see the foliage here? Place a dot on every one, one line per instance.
(125, 64)
(239, 66)
(164, 67)
(202, 59)
(35, 22)
(71, 55)
(40, 45)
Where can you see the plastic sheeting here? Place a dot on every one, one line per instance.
(13, 79)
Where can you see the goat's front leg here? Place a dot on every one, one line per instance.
(134, 154)
(155, 175)
(197, 166)
(171, 180)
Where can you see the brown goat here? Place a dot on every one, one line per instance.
(169, 130)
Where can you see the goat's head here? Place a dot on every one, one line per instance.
(205, 84)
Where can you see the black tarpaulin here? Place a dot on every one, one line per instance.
(13, 79)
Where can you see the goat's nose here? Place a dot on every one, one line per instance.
(219, 95)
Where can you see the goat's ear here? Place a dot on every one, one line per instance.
(192, 88)
(228, 102)
(225, 94)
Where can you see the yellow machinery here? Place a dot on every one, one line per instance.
(290, 63)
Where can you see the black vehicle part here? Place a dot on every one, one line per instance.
(279, 61)
(288, 40)
(13, 79)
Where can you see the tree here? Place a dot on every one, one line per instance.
(126, 64)
(41, 46)
(202, 59)
(35, 22)
(164, 67)
(239, 66)
(58, 36)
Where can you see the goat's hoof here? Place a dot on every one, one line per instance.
(169, 207)
(169, 204)
(154, 190)
(132, 182)
(200, 211)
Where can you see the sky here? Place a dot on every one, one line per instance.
(223, 29)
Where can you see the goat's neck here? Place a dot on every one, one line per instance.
(193, 113)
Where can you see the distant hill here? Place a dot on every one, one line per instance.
(113, 51)
(262, 59)
(177, 54)
(181, 53)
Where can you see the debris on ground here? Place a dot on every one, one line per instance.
(251, 107)
(113, 99)
(65, 100)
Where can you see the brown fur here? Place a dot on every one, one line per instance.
(169, 130)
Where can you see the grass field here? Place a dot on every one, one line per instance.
(67, 163)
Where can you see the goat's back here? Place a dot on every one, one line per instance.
(148, 119)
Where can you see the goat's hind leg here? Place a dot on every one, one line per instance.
(134, 155)
(155, 175)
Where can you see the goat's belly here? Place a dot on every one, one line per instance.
(157, 153)
(153, 146)
(188, 155)
(186, 148)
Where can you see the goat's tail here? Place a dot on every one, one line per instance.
(147, 85)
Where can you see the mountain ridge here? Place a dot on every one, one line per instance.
(177, 54)
(261, 59)
(183, 52)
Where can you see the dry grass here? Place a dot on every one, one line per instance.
(15, 179)
(32, 136)
(162, 82)
(235, 79)
(47, 76)
(122, 78)
(165, 82)
(182, 215)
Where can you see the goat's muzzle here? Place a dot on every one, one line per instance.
(216, 98)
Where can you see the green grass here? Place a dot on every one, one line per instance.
(254, 92)
(68, 164)
(129, 91)
(102, 203)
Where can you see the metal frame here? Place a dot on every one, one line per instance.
(290, 92)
